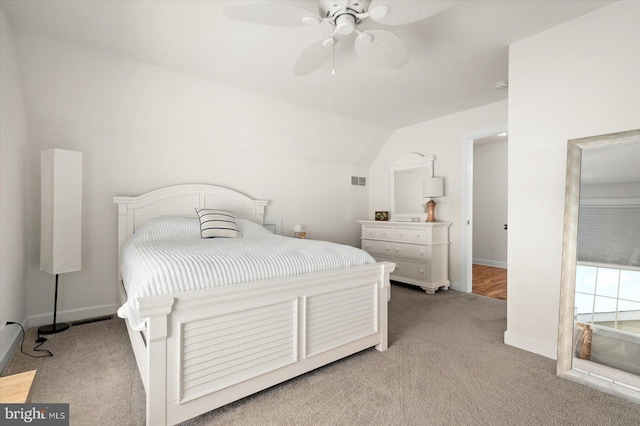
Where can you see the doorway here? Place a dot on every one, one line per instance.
(487, 215)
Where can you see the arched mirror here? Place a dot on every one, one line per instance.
(599, 324)
(407, 175)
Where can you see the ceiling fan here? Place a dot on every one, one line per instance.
(377, 46)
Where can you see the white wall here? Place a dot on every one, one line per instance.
(445, 138)
(490, 204)
(576, 80)
(140, 128)
(13, 245)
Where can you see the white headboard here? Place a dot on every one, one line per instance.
(181, 201)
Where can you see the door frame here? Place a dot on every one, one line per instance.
(467, 204)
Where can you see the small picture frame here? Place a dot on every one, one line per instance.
(382, 216)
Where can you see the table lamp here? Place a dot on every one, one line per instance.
(431, 188)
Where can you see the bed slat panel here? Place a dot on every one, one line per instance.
(212, 344)
(225, 349)
(329, 323)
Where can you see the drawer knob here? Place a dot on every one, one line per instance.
(421, 271)
(421, 253)
(387, 248)
(397, 250)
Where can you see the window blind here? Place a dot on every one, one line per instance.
(609, 234)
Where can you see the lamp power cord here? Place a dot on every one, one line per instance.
(39, 342)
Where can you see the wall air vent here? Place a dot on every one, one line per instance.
(91, 320)
(358, 181)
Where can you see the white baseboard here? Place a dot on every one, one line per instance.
(458, 287)
(10, 336)
(73, 315)
(493, 263)
(531, 345)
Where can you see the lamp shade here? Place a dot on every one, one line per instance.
(432, 187)
(61, 211)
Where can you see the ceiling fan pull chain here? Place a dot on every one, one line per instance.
(333, 53)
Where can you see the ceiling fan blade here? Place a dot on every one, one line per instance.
(382, 48)
(314, 56)
(272, 13)
(399, 12)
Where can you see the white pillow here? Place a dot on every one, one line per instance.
(217, 223)
(252, 229)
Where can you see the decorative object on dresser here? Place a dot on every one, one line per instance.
(60, 220)
(431, 188)
(420, 251)
(382, 216)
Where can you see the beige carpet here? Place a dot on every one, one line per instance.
(446, 365)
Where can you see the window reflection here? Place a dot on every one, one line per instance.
(607, 282)
(608, 297)
(630, 285)
(586, 279)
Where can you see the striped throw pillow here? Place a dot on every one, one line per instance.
(217, 223)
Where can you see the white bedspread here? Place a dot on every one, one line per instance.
(168, 256)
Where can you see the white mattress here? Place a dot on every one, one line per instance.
(168, 256)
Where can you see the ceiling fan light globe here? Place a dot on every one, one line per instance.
(345, 24)
(365, 37)
(379, 12)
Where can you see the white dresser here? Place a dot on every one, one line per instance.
(420, 251)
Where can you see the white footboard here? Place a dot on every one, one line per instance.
(207, 348)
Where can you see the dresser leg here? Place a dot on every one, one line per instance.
(429, 290)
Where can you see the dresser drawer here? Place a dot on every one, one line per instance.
(381, 247)
(410, 235)
(412, 251)
(376, 232)
(418, 270)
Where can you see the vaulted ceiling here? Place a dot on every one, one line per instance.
(457, 56)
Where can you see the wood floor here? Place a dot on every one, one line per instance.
(490, 281)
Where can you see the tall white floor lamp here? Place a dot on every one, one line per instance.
(61, 219)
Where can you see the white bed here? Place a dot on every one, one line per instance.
(306, 320)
